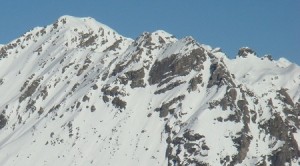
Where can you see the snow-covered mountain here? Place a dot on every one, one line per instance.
(78, 93)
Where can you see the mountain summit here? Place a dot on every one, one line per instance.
(78, 93)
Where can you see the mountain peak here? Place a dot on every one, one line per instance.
(282, 62)
(155, 39)
(163, 34)
(88, 22)
(245, 51)
(87, 32)
(68, 17)
(268, 57)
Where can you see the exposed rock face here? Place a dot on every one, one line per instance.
(244, 51)
(3, 121)
(84, 91)
(165, 109)
(31, 89)
(136, 78)
(194, 82)
(269, 57)
(118, 103)
(173, 66)
(219, 76)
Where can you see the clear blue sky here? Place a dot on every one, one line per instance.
(267, 26)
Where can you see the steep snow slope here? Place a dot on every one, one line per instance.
(78, 93)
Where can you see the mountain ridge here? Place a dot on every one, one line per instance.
(77, 90)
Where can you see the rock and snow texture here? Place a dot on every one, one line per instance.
(78, 93)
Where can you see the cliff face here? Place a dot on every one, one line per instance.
(78, 93)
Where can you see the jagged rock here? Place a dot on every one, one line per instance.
(165, 109)
(87, 39)
(242, 144)
(173, 66)
(111, 92)
(31, 105)
(44, 93)
(85, 98)
(3, 121)
(105, 99)
(227, 101)
(244, 51)
(31, 89)
(121, 66)
(279, 129)
(118, 103)
(87, 61)
(192, 137)
(67, 66)
(136, 78)
(194, 82)
(219, 76)
(269, 57)
(285, 97)
(41, 111)
(95, 86)
(3, 53)
(169, 87)
(190, 147)
(114, 46)
(93, 108)
(26, 82)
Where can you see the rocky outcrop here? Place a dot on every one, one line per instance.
(194, 82)
(289, 151)
(31, 89)
(174, 66)
(168, 87)
(220, 75)
(244, 51)
(118, 103)
(269, 57)
(136, 78)
(3, 120)
(165, 109)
